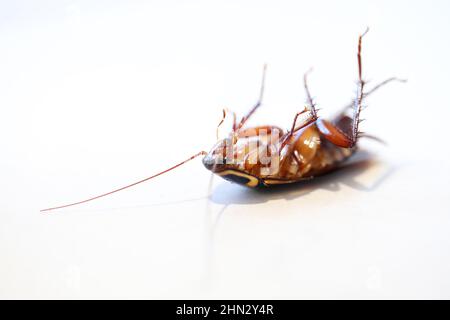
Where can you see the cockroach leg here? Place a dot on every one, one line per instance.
(258, 104)
(310, 107)
(383, 83)
(344, 123)
(368, 93)
(294, 123)
(287, 137)
(359, 95)
(308, 94)
(226, 111)
(220, 123)
(234, 118)
(369, 136)
(338, 135)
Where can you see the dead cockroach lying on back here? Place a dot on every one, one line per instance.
(264, 156)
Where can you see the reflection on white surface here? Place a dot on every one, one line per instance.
(94, 95)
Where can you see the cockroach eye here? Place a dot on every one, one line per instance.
(208, 162)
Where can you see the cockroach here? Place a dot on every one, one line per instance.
(266, 156)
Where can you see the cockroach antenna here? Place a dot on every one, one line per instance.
(201, 153)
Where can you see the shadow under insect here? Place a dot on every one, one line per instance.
(226, 193)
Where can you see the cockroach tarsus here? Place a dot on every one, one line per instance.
(265, 156)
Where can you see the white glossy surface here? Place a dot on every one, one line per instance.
(97, 94)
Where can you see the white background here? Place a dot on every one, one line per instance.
(97, 94)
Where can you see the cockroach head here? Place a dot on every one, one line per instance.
(217, 158)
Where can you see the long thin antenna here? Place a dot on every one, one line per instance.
(128, 186)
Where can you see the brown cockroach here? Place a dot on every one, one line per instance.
(264, 156)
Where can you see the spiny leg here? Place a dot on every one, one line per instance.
(258, 104)
(359, 94)
(343, 123)
(369, 92)
(310, 101)
(310, 108)
(288, 141)
(311, 118)
(344, 132)
(381, 84)
(306, 122)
